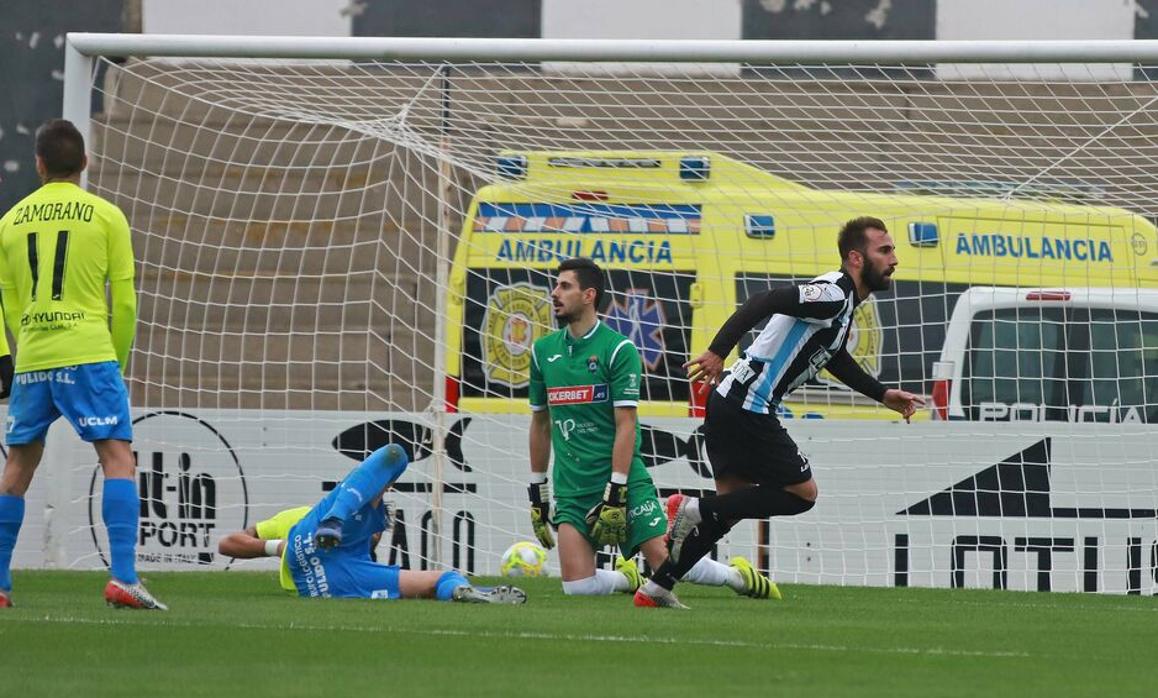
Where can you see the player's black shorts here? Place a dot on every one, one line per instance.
(751, 446)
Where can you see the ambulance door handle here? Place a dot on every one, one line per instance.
(696, 295)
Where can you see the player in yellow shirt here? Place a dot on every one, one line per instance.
(61, 250)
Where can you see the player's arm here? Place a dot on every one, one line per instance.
(123, 323)
(11, 312)
(608, 518)
(540, 444)
(7, 367)
(626, 377)
(539, 491)
(849, 372)
(122, 291)
(246, 545)
(624, 449)
(815, 301)
(12, 319)
(8, 298)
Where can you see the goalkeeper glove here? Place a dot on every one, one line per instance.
(608, 519)
(540, 494)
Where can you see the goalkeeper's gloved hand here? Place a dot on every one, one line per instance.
(540, 494)
(608, 519)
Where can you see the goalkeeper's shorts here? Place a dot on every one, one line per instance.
(645, 517)
(92, 397)
(339, 573)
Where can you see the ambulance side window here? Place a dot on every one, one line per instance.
(1062, 364)
(1118, 368)
(1016, 364)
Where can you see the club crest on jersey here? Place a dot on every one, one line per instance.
(516, 316)
(577, 394)
(810, 293)
(593, 363)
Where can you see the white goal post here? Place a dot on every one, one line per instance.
(343, 242)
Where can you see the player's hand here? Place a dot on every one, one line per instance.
(608, 519)
(540, 494)
(6, 374)
(903, 401)
(706, 367)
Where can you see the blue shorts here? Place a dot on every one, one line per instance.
(91, 396)
(338, 572)
(362, 578)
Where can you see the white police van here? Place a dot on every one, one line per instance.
(1050, 355)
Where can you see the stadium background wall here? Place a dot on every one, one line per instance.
(939, 525)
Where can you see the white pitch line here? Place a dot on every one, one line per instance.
(998, 605)
(632, 639)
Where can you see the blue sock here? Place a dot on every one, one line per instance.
(447, 583)
(121, 511)
(367, 480)
(11, 516)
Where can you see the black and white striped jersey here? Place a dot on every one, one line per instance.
(807, 331)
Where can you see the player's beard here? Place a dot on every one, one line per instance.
(563, 316)
(875, 279)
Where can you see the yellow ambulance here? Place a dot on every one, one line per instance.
(687, 236)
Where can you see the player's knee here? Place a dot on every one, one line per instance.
(394, 455)
(806, 490)
(16, 479)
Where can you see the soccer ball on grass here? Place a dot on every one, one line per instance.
(524, 559)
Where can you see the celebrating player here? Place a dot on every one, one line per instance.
(585, 383)
(759, 470)
(327, 550)
(59, 248)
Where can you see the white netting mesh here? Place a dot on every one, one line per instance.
(287, 224)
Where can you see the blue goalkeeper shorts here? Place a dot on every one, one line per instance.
(337, 572)
(91, 396)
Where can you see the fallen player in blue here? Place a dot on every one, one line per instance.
(327, 550)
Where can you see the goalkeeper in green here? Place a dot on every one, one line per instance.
(585, 388)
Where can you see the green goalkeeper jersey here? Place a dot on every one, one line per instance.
(581, 382)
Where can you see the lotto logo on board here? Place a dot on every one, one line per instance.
(577, 394)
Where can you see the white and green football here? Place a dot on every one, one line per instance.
(524, 559)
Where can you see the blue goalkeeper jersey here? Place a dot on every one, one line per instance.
(307, 563)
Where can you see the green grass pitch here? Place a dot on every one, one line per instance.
(235, 634)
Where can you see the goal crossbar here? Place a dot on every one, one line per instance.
(624, 50)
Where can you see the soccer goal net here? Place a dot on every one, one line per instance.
(337, 250)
